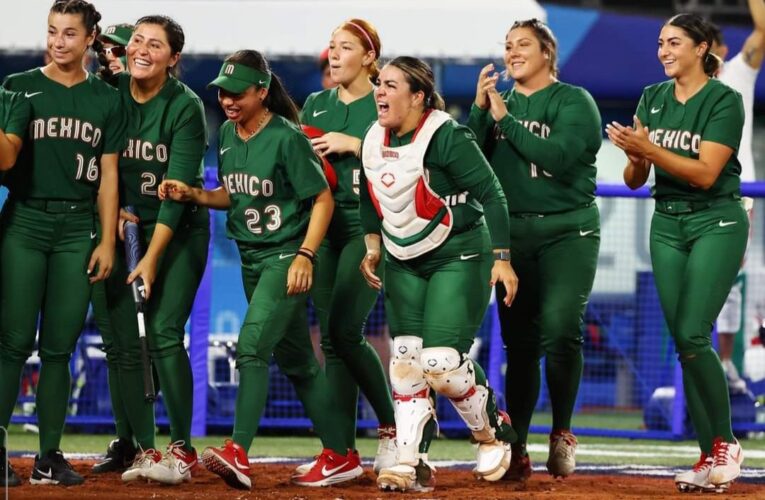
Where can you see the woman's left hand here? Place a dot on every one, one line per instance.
(299, 275)
(102, 259)
(497, 106)
(147, 270)
(634, 141)
(335, 142)
(503, 272)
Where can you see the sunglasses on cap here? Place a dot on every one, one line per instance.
(117, 51)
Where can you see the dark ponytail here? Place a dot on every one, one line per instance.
(278, 100)
(700, 31)
(90, 17)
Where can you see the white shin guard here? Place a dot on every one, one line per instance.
(449, 374)
(412, 405)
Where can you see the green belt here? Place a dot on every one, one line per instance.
(59, 206)
(675, 207)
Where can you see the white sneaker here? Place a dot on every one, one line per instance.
(492, 460)
(561, 460)
(727, 458)
(144, 461)
(175, 467)
(386, 449)
(697, 479)
(402, 477)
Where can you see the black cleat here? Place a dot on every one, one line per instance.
(54, 469)
(119, 456)
(13, 479)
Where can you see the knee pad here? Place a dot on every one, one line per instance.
(412, 405)
(452, 374)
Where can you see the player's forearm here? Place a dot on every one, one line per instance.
(9, 150)
(108, 199)
(321, 215)
(697, 173)
(159, 241)
(757, 10)
(636, 175)
(217, 199)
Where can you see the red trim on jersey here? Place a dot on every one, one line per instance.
(423, 394)
(374, 199)
(425, 115)
(427, 204)
(329, 171)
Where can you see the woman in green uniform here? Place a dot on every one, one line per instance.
(689, 129)
(278, 206)
(339, 117)
(167, 138)
(15, 112)
(429, 194)
(121, 451)
(47, 226)
(541, 137)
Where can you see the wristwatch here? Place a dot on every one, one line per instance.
(502, 255)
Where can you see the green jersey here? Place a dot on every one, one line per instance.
(167, 138)
(325, 111)
(70, 129)
(459, 174)
(15, 112)
(543, 151)
(271, 179)
(715, 114)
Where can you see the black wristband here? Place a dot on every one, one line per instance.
(307, 253)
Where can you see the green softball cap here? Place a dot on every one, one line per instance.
(118, 34)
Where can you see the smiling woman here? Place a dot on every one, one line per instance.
(167, 138)
(689, 129)
(47, 224)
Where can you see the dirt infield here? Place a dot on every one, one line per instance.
(272, 481)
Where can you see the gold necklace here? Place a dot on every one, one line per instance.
(249, 134)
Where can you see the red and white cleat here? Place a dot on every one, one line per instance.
(727, 459)
(144, 461)
(175, 467)
(331, 468)
(229, 462)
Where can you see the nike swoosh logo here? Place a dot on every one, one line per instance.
(239, 464)
(183, 467)
(328, 472)
(93, 236)
(317, 113)
(655, 110)
(31, 94)
(585, 233)
(286, 255)
(223, 150)
(468, 257)
(723, 224)
(48, 474)
(261, 82)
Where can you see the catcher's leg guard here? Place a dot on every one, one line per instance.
(412, 404)
(452, 375)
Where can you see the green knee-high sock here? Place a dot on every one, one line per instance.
(331, 426)
(563, 372)
(10, 380)
(706, 374)
(429, 431)
(344, 391)
(52, 401)
(139, 413)
(250, 403)
(367, 370)
(177, 387)
(699, 415)
(522, 382)
(121, 422)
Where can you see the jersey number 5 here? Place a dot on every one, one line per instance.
(252, 216)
